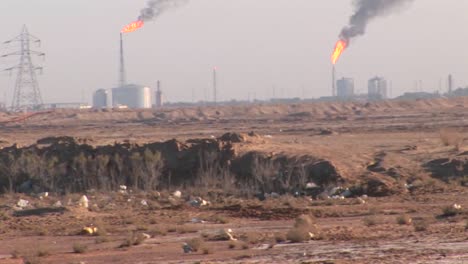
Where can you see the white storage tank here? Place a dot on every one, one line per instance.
(101, 98)
(132, 96)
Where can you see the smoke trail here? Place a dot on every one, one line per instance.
(155, 8)
(365, 11)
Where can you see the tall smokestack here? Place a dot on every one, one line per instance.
(122, 74)
(215, 82)
(333, 81)
(159, 95)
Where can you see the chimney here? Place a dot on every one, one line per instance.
(122, 74)
(159, 96)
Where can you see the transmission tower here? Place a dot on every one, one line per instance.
(26, 95)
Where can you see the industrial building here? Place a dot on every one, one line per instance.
(101, 98)
(132, 96)
(345, 88)
(377, 88)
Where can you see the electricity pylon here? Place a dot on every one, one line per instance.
(26, 95)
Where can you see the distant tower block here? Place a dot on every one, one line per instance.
(26, 95)
(159, 96)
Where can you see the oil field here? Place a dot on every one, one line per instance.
(351, 174)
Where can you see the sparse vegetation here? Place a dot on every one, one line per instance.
(370, 220)
(420, 225)
(450, 211)
(280, 237)
(133, 239)
(207, 250)
(101, 239)
(232, 244)
(43, 253)
(196, 244)
(404, 220)
(451, 137)
(304, 229)
(79, 248)
(15, 254)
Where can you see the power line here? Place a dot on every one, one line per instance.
(26, 94)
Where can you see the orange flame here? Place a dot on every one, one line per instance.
(132, 26)
(339, 48)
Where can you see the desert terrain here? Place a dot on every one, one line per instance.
(381, 182)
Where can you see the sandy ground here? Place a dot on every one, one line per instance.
(408, 133)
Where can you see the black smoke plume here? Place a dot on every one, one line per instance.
(367, 10)
(154, 8)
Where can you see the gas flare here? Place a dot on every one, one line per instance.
(133, 26)
(339, 48)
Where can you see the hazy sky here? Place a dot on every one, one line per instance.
(256, 44)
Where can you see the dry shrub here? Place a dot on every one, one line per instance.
(420, 225)
(232, 244)
(280, 237)
(451, 137)
(15, 254)
(219, 219)
(161, 231)
(31, 260)
(302, 230)
(207, 250)
(296, 235)
(43, 253)
(450, 211)
(186, 229)
(196, 244)
(370, 221)
(404, 220)
(133, 240)
(79, 248)
(244, 245)
(101, 239)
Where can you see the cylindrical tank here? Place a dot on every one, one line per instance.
(132, 96)
(100, 98)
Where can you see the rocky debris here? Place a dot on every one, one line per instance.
(326, 132)
(177, 194)
(144, 202)
(199, 202)
(449, 168)
(89, 230)
(83, 202)
(57, 204)
(187, 248)
(457, 207)
(40, 211)
(43, 195)
(22, 203)
(224, 235)
(197, 221)
(378, 186)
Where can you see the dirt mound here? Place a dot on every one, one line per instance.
(449, 168)
(63, 164)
